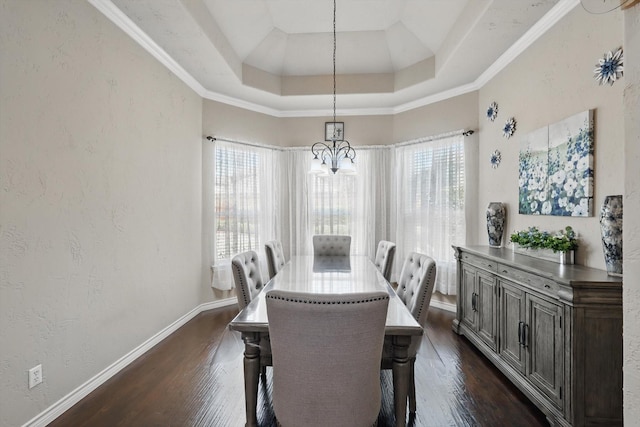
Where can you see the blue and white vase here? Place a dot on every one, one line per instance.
(496, 216)
(611, 230)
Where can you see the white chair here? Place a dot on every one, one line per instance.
(415, 287)
(326, 357)
(331, 245)
(275, 257)
(384, 258)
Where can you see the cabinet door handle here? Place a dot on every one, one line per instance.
(520, 332)
(525, 334)
(473, 301)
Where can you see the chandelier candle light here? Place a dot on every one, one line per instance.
(339, 156)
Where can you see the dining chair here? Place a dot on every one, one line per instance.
(247, 276)
(384, 258)
(331, 245)
(248, 279)
(326, 357)
(415, 287)
(275, 257)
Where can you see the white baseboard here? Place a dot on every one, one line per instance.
(443, 305)
(62, 405)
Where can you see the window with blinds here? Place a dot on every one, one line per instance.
(237, 196)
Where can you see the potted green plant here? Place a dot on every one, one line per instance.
(559, 246)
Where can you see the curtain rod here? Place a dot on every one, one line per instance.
(360, 147)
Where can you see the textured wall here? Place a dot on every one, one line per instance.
(631, 228)
(100, 195)
(551, 80)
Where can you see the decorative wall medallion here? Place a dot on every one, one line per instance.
(495, 159)
(609, 68)
(509, 127)
(492, 111)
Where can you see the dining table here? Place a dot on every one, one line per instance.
(330, 275)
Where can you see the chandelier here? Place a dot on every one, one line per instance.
(337, 156)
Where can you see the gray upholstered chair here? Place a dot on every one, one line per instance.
(247, 276)
(415, 287)
(384, 258)
(331, 245)
(249, 283)
(275, 257)
(326, 357)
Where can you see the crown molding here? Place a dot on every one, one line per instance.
(123, 22)
(535, 32)
(107, 8)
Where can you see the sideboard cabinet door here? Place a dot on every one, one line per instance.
(545, 367)
(512, 320)
(487, 309)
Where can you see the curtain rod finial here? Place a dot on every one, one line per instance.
(210, 138)
(468, 133)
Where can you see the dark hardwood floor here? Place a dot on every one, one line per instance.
(195, 378)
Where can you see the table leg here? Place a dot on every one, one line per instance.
(401, 373)
(251, 375)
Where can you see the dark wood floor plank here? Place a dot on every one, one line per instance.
(195, 378)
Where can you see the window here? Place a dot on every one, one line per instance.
(430, 208)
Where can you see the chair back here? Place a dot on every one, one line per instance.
(326, 351)
(331, 245)
(384, 258)
(247, 276)
(415, 287)
(275, 257)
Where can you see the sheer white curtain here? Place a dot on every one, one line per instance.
(336, 204)
(246, 199)
(428, 201)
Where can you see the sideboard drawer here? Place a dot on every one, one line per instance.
(519, 276)
(479, 262)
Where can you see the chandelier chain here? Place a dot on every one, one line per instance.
(334, 67)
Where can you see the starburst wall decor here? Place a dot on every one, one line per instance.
(492, 111)
(509, 127)
(609, 68)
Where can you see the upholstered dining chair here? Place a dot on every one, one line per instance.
(275, 257)
(248, 279)
(247, 276)
(331, 245)
(415, 287)
(326, 357)
(384, 258)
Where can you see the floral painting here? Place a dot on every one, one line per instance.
(556, 168)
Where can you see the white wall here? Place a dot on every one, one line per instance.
(552, 80)
(631, 226)
(100, 195)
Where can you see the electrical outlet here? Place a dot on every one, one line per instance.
(35, 376)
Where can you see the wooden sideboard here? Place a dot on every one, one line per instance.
(554, 330)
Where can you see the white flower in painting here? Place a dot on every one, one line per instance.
(568, 166)
(522, 181)
(529, 197)
(534, 205)
(554, 194)
(584, 202)
(583, 163)
(546, 208)
(579, 210)
(562, 202)
(575, 157)
(542, 196)
(570, 185)
(559, 177)
(584, 182)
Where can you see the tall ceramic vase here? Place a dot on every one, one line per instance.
(611, 230)
(496, 215)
